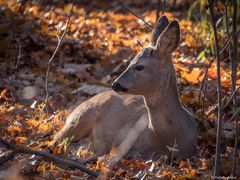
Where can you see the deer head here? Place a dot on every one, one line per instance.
(151, 69)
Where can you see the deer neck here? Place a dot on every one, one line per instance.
(163, 106)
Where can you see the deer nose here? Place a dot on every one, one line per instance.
(118, 87)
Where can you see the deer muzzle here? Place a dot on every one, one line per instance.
(116, 86)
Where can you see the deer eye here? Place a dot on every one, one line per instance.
(139, 68)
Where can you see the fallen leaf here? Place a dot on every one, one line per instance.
(190, 41)
(194, 77)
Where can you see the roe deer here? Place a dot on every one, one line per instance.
(148, 116)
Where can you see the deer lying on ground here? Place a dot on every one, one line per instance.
(147, 116)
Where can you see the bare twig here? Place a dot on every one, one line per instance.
(158, 9)
(19, 54)
(173, 150)
(228, 32)
(228, 41)
(227, 20)
(215, 108)
(212, 60)
(218, 140)
(234, 79)
(164, 6)
(202, 86)
(204, 117)
(234, 115)
(149, 25)
(139, 43)
(231, 97)
(8, 157)
(49, 157)
(53, 56)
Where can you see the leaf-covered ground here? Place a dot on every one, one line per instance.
(101, 40)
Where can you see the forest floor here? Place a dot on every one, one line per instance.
(100, 42)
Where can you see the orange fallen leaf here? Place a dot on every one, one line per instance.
(203, 163)
(190, 41)
(58, 150)
(101, 165)
(13, 128)
(21, 140)
(42, 167)
(32, 122)
(194, 77)
(44, 127)
(166, 173)
(3, 95)
(181, 165)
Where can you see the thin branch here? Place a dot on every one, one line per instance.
(212, 60)
(234, 64)
(203, 84)
(53, 56)
(228, 32)
(226, 45)
(8, 157)
(164, 6)
(145, 22)
(204, 117)
(19, 54)
(57, 160)
(215, 108)
(234, 94)
(173, 149)
(234, 115)
(139, 43)
(218, 140)
(158, 9)
(228, 42)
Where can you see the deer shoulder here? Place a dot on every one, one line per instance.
(102, 117)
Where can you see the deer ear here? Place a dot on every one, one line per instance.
(169, 39)
(159, 27)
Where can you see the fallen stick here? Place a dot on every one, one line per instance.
(8, 157)
(57, 160)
